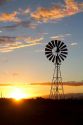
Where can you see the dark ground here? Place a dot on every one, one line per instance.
(41, 112)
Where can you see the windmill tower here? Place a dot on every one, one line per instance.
(56, 51)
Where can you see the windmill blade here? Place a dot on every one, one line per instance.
(53, 43)
(56, 60)
(48, 53)
(47, 49)
(53, 60)
(51, 57)
(48, 46)
(58, 43)
(63, 47)
(63, 55)
(64, 50)
(59, 59)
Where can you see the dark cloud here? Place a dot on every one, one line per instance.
(4, 1)
(73, 83)
(28, 24)
(25, 24)
(11, 27)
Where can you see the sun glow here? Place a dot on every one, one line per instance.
(18, 94)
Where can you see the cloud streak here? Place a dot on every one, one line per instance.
(60, 36)
(74, 44)
(8, 44)
(73, 83)
(57, 12)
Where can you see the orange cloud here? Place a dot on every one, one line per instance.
(57, 12)
(72, 7)
(69, 8)
(9, 17)
(43, 14)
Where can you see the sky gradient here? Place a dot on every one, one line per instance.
(25, 29)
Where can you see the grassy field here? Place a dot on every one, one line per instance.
(41, 112)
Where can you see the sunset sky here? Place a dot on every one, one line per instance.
(26, 26)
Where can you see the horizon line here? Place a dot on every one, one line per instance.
(72, 83)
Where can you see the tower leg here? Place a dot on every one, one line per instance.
(57, 91)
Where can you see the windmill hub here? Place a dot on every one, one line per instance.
(58, 50)
(55, 51)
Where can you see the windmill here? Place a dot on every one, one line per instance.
(56, 51)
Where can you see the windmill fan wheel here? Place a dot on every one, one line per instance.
(56, 51)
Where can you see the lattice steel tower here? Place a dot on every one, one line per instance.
(56, 51)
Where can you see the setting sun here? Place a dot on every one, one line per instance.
(18, 94)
